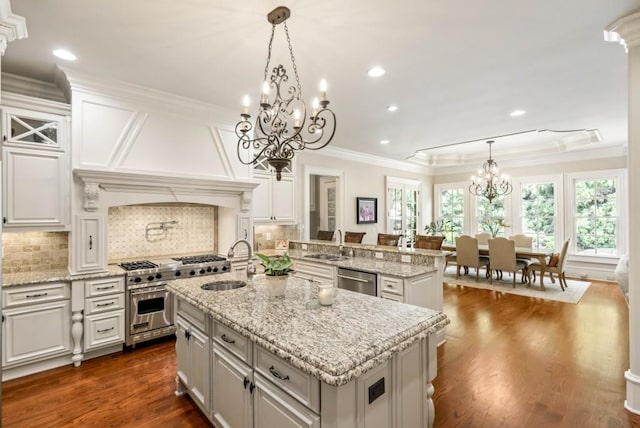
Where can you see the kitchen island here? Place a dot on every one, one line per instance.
(250, 359)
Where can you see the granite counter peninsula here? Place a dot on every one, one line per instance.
(250, 359)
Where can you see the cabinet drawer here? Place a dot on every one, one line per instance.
(315, 271)
(391, 285)
(38, 293)
(192, 314)
(300, 385)
(103, 329)
(391, 296)
(96, 305)
(233, 342)
(103, 286)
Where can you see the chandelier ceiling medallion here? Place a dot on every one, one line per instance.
(489, 183)
(281, 126)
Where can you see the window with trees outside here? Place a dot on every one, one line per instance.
(596, 215)
(491, 216)
(451, 206)
(403, 200)
(539, 213)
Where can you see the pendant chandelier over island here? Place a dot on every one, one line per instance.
(281, 126)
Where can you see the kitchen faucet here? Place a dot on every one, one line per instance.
(339, 239)
(251, 269)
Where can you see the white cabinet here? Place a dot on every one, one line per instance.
(36, 183)
(315, 271)
(104, 308)
(273, 408)
(192, 360)
(88, 244)
(232, 387)
(36, 323)
(273, 201)
(422, 290)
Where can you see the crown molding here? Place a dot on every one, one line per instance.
(12, 26)
(33, 88)
(360, 157)
(28, 102)
(625, 30)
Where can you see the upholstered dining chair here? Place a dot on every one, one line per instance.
(483, 238)
(502, 257)
(468, 254)
(553, 267)
(389, 240)
(354, 237)
(325, 235)
(428, 242)
(523, 241)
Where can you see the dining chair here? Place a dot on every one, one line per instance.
(502, 257)
(325, 235)
(428, 242)
(553, 267)
(468, 255)
(387, 239)
(483, 238)
(354, 237)
(523, 241)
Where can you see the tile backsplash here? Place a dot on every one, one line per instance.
(34, 251)
(266, 236)
(152, 230)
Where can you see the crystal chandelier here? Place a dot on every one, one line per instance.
(489, 183)
(281, 126)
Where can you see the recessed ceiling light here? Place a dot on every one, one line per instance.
(392, 108)
(64, 54)
(516, 113)
(376, 71)
(384, 142)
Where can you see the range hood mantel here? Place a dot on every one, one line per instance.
(179, 189)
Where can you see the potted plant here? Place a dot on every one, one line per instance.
(437, 227)
(276, 270)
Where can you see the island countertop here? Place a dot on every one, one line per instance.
(335, 344)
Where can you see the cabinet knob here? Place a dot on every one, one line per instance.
(252, 387)
(245, 382)
(4, 220)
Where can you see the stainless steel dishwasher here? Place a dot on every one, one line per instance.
(354, 280)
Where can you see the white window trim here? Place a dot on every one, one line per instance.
(397, 182)
(621, 197)
(558, 195)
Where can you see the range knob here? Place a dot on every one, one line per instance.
(215, 269)
(137, 279)
(202, 271)
(178, 273)
(224, 268)
(209, 269)
(150, 278)
(158, 275)
(193, 272)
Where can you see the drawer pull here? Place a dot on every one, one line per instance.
(106, 288)
(106, 329)
(33, 296)
(276, 374)
(102, 305)
(226, 339)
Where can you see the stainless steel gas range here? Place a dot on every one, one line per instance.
(148, 306)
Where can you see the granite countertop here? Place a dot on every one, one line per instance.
(364, 264)
(335, 344)
(38, 277)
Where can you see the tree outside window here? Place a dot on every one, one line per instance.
(538, 213)
(596, 217)
(491, 216)
(452, 213)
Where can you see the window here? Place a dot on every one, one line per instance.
(538, 213)
(451, 210)
(491, 216)
(597, 203)
(403, 200)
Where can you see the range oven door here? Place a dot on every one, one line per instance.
(151, 309)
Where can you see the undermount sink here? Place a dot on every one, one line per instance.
(223, 285)
(329, 257)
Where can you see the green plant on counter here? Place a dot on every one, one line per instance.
(277, 265)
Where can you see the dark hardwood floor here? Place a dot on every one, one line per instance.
(509, 361)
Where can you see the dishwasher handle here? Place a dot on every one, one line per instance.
(353, 278)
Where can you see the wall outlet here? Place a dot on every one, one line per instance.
(405, 258)
(304, 246)
(379, 255)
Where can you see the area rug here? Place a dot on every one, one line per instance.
(572, 294)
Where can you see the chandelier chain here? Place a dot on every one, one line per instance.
(293, 60)
(266, 67)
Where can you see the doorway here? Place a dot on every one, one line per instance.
(323, 200)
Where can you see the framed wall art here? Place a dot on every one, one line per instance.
(367, 210)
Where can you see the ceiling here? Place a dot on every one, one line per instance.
(455, 69)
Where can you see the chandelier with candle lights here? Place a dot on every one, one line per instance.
(489, 183)
(281, 126)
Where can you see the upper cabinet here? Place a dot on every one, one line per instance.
(273, 200)
(36, 184)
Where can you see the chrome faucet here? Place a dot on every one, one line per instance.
(340, 246)
(251, 269)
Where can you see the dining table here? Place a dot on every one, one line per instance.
(521, 252)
